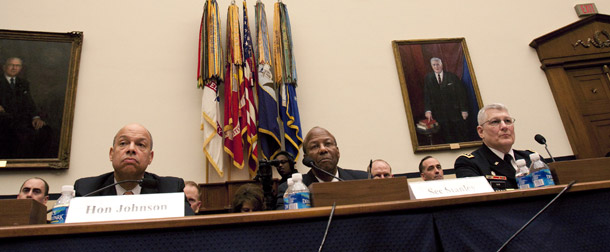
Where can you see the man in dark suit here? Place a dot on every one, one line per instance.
(21, 128)
(446, 101)
(321, 146)
(496, 156)
(130, 154)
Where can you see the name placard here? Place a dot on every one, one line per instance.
(125, 207)
(448, 187)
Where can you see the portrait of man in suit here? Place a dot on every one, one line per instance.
(23, 132)
(37, 97)
(440, 92)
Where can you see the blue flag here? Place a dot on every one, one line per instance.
(268, 126)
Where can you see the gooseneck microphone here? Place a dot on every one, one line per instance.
(369, 169)
(541, 140)
(536, 216)
(145, 182)
(310, 163)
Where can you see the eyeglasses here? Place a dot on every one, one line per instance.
(496, 122)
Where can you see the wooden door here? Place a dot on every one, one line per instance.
(590, 89)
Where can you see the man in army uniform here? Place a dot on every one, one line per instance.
(496, 156)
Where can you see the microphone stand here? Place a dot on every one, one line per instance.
(113, 184)
(536, 216)
(547, 151)
(265, 177)
(140, 181)
(310, 163)
(370, 168)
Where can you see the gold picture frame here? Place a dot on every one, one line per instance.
(49, 64)
(441, 115)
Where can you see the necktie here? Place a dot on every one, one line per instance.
(508, 159)
(439, 78)
(128, 193)
(13, 82)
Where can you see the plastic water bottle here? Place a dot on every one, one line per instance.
(60, 209)
(541, 174)
(287, 193)
(524, 179)
(299, 198)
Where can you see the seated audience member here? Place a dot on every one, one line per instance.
(34, 188)
(430, 169)
(321, 146)
(248, 198)
(192, 191)
(286, 167)
(496, 156)
(130, 155)
(381, 169)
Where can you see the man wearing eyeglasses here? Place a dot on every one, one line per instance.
(496, 156)
(286, 165)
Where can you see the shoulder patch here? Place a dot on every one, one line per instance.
(467, 155)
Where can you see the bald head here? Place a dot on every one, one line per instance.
(133, 125)
(314, 132)
(321, 146)
(131, 153)
(381, 169)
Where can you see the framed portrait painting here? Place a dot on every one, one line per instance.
(37, 95)
(440, 93)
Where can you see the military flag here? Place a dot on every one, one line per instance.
(268, 126)
(286, 76)
(247, 103)
(234, 78)
(209, 76)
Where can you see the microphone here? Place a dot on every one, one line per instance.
(310, 163)
(145, 182)
(541, 140)
(369, 170)
(537, 214)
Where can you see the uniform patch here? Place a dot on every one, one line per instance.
(467, 155)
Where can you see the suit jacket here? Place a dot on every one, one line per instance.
(17, 102)
(84, 186)
(310, 178)
(483, 161)
(447, 100)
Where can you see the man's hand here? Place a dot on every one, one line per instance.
(464, 115)
(1, 109)
(428, 115)
(37, 123)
